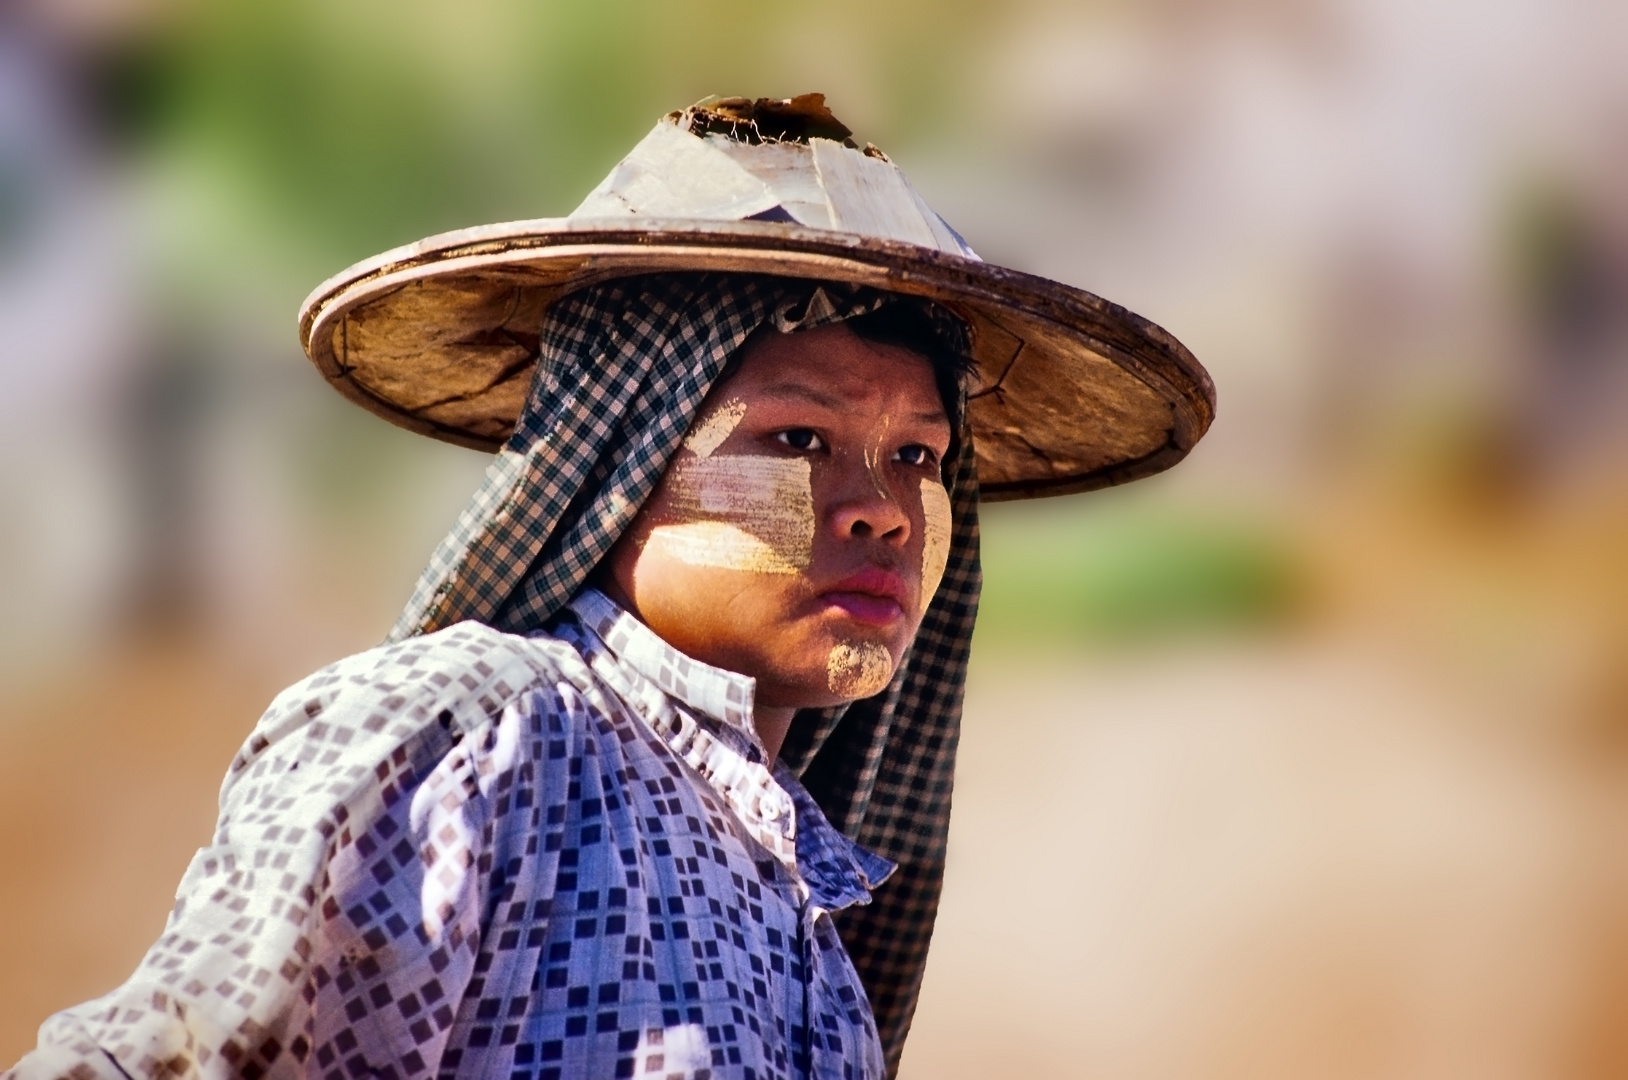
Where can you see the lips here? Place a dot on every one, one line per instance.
(872, 596)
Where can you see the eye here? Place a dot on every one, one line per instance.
(801, 438)
(915, 454)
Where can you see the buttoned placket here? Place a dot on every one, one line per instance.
(675, 695)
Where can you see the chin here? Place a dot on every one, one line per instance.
(833, 662)
(804, 653)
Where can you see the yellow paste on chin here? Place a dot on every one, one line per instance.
(935, 537)
(740, 513)
(858, 669)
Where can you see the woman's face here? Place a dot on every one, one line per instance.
(801, 531)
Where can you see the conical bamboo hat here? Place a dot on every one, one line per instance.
(1073, 392)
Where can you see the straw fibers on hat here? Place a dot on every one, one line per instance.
(440, 337)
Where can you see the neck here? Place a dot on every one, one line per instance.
(772, 722)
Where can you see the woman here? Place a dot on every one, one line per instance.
(681, 689)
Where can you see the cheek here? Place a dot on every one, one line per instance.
(711, 432)
(754, 514)
(858, 669)
(935, 537)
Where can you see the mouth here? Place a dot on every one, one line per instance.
(872, 596)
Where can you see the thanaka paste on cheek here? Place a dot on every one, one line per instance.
(711, 432)
(738, 512)
(935, 537)
(858, 669)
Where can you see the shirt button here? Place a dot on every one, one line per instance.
(769, 810)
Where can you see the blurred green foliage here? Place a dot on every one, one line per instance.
(1115, 570)
(362, 124)
(286, 139)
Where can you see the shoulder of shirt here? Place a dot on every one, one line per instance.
(459, 678)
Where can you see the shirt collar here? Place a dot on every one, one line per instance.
(720, 694)
(835, 871)
(839, 872)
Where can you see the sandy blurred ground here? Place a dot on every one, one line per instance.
(104, 796)
(1272, 861)
(1308, 759)
(1375, 847)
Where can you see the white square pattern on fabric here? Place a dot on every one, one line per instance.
(474, 854)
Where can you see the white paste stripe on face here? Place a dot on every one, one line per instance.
(722, 545)
(711, 432)
(873, 461)
(858, 669)
(741, 513)
(935, 537)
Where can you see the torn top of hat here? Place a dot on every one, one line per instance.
(734, 159)
(794, 119)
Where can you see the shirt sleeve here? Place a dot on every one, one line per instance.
(338, 905)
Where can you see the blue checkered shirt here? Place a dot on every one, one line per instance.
(476, 854)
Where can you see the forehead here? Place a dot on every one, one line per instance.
(832, 366)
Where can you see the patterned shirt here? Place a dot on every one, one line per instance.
(475, 854)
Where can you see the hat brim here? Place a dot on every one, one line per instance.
(1074, 393)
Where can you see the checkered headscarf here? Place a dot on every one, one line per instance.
(622, 371)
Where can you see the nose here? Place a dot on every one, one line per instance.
(865, 510)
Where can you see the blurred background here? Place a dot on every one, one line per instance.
(1308, 759)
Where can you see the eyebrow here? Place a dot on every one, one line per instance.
(826, 401)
